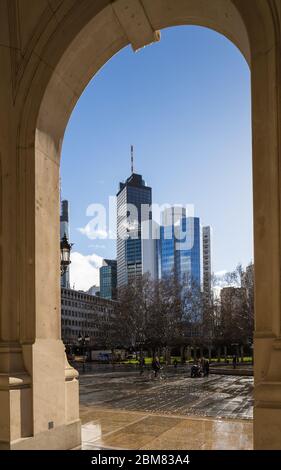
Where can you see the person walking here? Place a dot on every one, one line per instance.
(156, 366)
(234, 361)
(142, 365)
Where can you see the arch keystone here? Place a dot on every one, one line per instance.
(135, 23)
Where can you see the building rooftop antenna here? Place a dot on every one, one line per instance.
(132, 159)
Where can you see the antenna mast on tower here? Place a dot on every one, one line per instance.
(132, 159)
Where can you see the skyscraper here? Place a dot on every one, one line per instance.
(207, 268)
(149, 248)
(64, 230)
(180, 246)
(133, 203)
(108, 279)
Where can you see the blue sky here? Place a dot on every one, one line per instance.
(185, 104)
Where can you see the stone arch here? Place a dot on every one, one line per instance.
(66, 52)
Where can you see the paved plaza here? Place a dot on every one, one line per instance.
(216, 396)
(122, 410)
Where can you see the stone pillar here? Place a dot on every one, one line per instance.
(16, 420)
(266, 111)
(39, 402)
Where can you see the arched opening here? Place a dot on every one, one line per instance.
(83, 41)
(106, 121)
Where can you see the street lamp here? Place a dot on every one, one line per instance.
(83, 340)
(65, 248)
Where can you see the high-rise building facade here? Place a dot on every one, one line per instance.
(64, 230)
(180, 246)
(149, 249)
(207, 266)
(133, 208)
(108, 279)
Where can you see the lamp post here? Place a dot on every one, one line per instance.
(83, 340)
(65, 249)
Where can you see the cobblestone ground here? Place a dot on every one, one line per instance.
(124, 389)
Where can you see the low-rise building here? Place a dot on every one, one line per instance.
(84, 315)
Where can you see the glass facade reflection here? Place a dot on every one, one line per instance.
(108, 279)
(180, 250)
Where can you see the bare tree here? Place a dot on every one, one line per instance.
(235, 324)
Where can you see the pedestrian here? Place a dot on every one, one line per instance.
(142, 365)
(234, 361)
(156, 366)
(175, 363)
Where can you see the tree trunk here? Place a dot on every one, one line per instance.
(167, 356)
(182, 354)
(219, 353)
(242, 353)
(194, 353)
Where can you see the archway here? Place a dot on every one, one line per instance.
(72, 46)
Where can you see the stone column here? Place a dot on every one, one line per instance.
(15, 379)
(264, 34)
(39, 403)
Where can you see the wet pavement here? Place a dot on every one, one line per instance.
(122, 389)
(120, 409)
(112, 429)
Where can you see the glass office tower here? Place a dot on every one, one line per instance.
(180, 247)
(108, 279)
(133, 194)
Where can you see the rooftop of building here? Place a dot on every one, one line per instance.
(134, 180)
(85, 296)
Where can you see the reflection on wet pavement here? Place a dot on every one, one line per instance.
(124, 430)
(121, 410)
(215, 396)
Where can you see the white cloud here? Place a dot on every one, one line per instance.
(92, 232)
(84, 270)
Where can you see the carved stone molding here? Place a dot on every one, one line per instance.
(21, 53)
